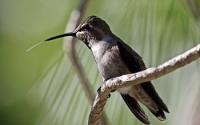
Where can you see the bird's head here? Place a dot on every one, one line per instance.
(93, 29)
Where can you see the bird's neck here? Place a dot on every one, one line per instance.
(99, 48)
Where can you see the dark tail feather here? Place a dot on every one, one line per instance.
(135, 109)
(159, 114)
(150, 90)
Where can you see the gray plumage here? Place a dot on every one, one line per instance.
(115, 58)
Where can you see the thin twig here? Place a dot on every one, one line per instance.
(137, 78)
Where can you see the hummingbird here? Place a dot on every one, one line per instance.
(115, 58)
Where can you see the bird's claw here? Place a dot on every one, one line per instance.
(99, 90)
(109, 95)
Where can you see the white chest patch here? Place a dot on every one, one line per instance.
(124, 90)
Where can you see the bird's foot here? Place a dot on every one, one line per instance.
(99, 90)
(109, 95)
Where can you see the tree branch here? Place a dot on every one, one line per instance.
(137, 78)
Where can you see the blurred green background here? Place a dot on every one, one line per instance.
(40, 86)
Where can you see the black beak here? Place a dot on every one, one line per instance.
(62, 35)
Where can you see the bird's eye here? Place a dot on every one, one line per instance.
(86, 26)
